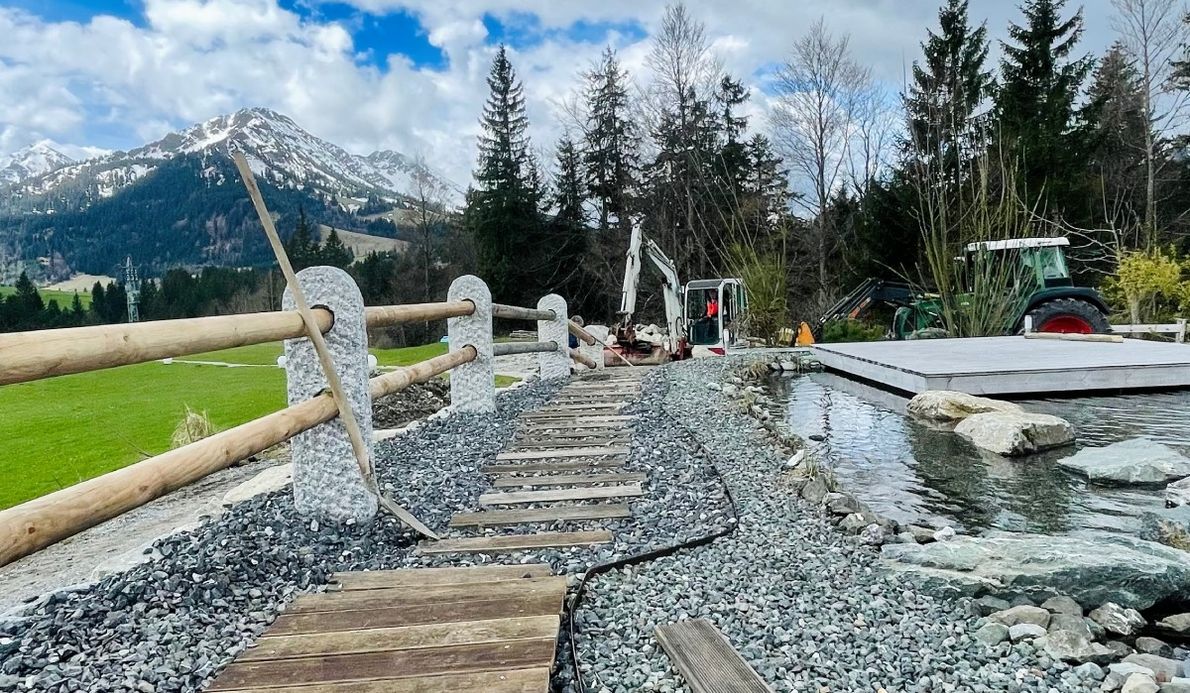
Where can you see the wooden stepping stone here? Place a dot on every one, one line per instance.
(706, 660)
(554, 513)
(569, 479)
(567, 494)
(530, 467)
(564, 452)
(420, 577)
(427, 594)
(514, 542)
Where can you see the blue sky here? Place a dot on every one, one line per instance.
(393, 74)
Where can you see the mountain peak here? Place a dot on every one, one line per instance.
(35, 160)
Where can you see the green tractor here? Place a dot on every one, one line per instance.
(1050, 300)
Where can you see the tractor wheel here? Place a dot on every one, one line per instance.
(1069, 316)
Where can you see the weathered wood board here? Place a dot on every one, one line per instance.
(706, 660)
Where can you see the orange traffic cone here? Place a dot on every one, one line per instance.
(804, 336)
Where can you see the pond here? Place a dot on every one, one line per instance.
(913, 473)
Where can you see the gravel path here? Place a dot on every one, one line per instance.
(805, 605)
(171, 624)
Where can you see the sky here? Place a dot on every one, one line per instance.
(407, 75)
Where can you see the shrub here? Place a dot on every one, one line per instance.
(193, 426)
(849, 330)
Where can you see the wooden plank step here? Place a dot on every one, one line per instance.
(569, 479)
(515, 542)
(405, 638)
(531, 680)
(546, 443)
(577, 428)
(591, 409)
(706, 659)
(554, 513)
(393, 617)
(419, 577)
(372, 666)
(530, 467)
(563, 452)
(565, 494)
(439, 594)
(534, 417)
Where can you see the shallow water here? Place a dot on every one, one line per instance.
(912, 473)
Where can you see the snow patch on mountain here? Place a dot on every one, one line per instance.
(35, 160)
(278, 150)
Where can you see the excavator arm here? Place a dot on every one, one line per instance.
(671, 286)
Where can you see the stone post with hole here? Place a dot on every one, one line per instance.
(556, 363)
(472, 385)
(595, 351)
(327, 482)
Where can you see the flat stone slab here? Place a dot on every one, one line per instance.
(1135, 461)
(1092, 569)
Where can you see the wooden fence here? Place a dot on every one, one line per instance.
(28, 356)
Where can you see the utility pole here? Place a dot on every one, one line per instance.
(132, 288)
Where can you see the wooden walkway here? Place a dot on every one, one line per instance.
(565, 465)
(429, 630)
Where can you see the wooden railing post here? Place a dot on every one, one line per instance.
(472, 385)
(327, 481)
(554, 364)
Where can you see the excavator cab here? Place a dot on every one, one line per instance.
(714, 310)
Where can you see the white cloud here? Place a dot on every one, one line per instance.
(193, 59)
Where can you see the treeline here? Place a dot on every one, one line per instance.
(844, 179)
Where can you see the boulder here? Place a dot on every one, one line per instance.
(1071, 624)
(1092, 569)
(1025, 631)
(1178, 493)
(1140, 683)
(945, 534)
(946, 406)
(1134, 461)
(1177, 685)
(1016, 433)
(1177, 623)
(1118, 619)
(1119, 649)
(991, 634)
(873, 535)
(1072, 647)
(1163, 668)
(1153, 646)
(814, 490)
(989, 605)
(842, 503)
(1062, 605)
(1022, 614)
(923, 535)
(1091, 671)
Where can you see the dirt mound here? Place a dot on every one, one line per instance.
(414, 402)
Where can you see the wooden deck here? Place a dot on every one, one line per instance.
(1011, 365)
(432, 630)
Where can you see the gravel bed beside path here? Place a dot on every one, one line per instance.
(806, 605)
(172, 623)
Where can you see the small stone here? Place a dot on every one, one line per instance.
(944, 534)
(1091, 671)
(1178, 623)
(842, 503)
(873, 535)
(1025, 631)
(989, 605)
(814, 490)
(1177, 685)
(1062, 605)
(923, 535)
(1117, 619)
(853, 523)
(1140, 683)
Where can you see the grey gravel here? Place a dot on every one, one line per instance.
(806, 605)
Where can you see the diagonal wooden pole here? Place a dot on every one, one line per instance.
(346, 415)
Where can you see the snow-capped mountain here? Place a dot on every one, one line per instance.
(32, 161)
(276, 148)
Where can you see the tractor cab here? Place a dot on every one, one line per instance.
(1042, 260)
(713, 313)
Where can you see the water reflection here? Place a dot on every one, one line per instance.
(913, 473)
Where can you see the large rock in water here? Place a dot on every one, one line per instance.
(1016, 433)
(1135, 461)
(947, 406)
(1093, 570)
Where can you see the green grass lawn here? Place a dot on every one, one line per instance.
(60, 431)
(64, 298)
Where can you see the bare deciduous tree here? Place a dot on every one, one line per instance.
(1153, 34)
(821, 94)
(431, 213)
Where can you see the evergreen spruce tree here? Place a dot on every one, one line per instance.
(949, 89)
(1117, 123)
(302, 247)
(27, 300)
(611, 151)
(334, 252)
(570, 231)
(1038, 124)
(502, 211)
